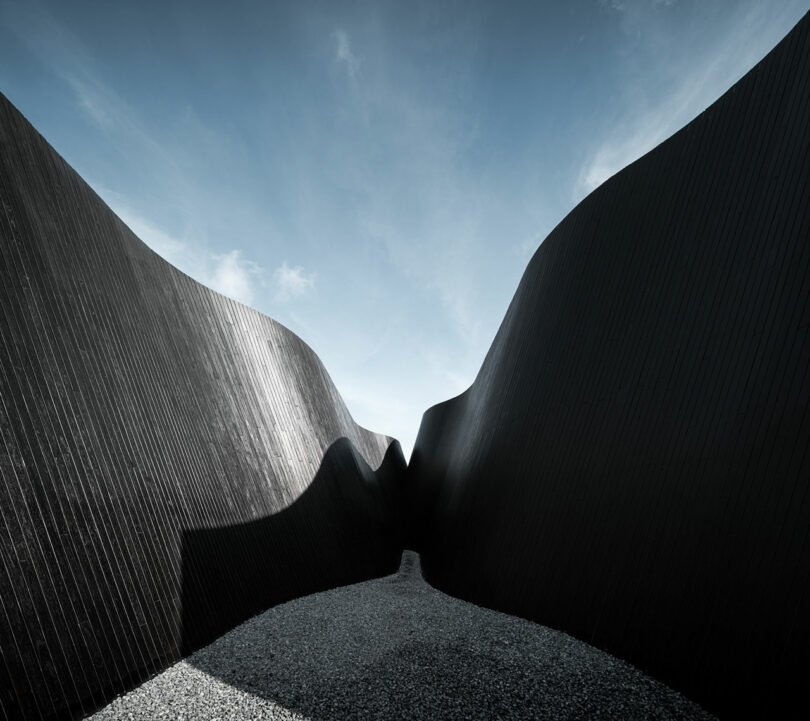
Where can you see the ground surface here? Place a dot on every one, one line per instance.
(395, 648)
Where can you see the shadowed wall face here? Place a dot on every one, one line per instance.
(631, 464)
(140, 411)
(348, 511)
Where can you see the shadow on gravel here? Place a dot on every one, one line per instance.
(346, 527)
(396, 648)
(423, 680)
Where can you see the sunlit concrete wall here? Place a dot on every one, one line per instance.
(142, 415)
(632, 463)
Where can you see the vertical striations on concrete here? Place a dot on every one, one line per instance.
(632, 463)
(139, 413)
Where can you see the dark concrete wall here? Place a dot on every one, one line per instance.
(141, 416)
(632, 463)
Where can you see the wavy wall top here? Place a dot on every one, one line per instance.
(631, 464)
(139, 409)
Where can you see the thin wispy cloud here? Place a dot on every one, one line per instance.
(66, 57)
(619, 151)
(526, 248)
(413, 157)
(229, 273)
(634, 10)
(91, 102)
(291, 282)
(652, 115)
(175, 251)
(344, 54)
(624, 6)
(417, 201)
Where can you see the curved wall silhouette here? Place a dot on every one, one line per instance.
(632, 463)
(139, 413)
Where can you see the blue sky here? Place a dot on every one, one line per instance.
(374, 175)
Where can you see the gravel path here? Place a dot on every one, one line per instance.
(395, 648)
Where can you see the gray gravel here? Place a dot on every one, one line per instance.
(395, 648)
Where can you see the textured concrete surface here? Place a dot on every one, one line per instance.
(171, 461)
(631, 464)
(395, 648)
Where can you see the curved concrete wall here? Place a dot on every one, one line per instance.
(632, 463)
(141, 416)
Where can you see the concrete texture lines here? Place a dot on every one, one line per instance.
(630, 465)
(631, 462)
(138, 409)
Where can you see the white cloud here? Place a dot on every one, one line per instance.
(344, 53)
(228, 273)
(234, 276)
(292, 282)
